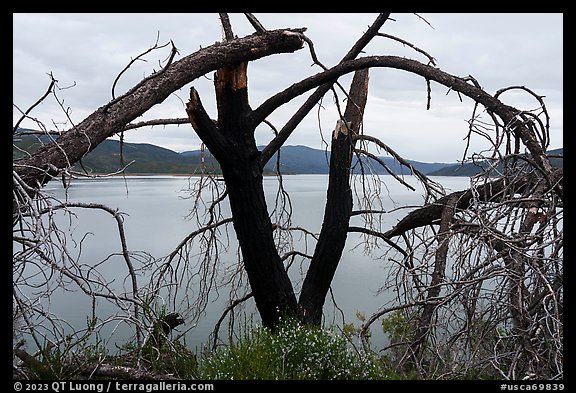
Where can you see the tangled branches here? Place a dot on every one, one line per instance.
(483, 294)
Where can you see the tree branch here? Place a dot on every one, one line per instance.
(157, 122)
(508, 114)
(269, 106)
(381, 236)
(109, 119)
(226, 26)
(48, 91)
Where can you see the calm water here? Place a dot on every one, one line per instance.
(156, 222)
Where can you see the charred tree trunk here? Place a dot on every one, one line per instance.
(232, 142)
(271, 286)
(332, 239)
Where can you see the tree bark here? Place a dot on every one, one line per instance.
(338, 209)
(231, 141)
(271, 286)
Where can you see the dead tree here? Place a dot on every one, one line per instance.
(509, 214)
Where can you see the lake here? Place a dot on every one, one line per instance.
(157, 219)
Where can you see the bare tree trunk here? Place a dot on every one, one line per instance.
(271, 286)
(232, 142)
(332, 239)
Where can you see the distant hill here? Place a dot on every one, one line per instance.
(105, 158)
(294, 160)
(306, 160)
(147, 159)
(471, 169)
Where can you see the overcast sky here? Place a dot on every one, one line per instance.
(86, 52)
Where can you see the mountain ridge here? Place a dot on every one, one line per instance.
(294, 159)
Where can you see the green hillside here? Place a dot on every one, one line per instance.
(106, 157)
(306, 160)
(147, 158)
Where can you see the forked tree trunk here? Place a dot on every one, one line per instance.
(231, 141)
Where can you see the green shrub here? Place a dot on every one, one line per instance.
(293, 351)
